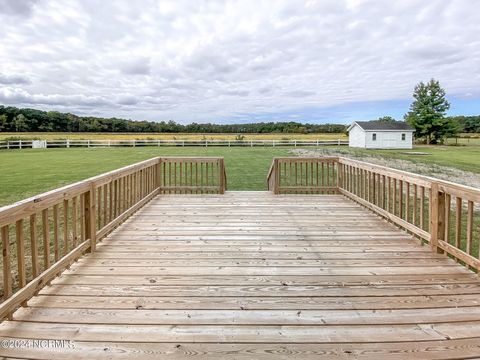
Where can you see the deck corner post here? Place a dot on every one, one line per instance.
(339, 175)
(437, 217)
(276, 173)
(222, 176)
(90, 217)
(158, 175)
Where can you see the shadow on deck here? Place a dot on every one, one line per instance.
(254, 275)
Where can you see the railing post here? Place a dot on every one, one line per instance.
(339, 175)
(159, 175)
(437, 216)
(276, 183)
(90, 217)
(222, 177)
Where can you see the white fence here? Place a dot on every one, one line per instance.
(28, 144)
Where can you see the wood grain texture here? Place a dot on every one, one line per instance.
(252, 275)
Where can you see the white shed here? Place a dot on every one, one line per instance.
(380, 135)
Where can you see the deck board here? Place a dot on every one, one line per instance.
(252, 275)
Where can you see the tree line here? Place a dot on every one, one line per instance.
(14, 119)
(426, 115)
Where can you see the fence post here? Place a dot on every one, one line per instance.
(437, 217)
(8, 145)
(90, 217)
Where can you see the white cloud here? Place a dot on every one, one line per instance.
(211, 59)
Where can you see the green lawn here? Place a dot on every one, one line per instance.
(30, 172)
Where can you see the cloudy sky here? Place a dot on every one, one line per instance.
(237, 61)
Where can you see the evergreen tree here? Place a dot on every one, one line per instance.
(427, 113)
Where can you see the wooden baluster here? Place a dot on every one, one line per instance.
(407, 202)
(110, 200)
(374, 188)
(201, 178)
(384, 192)
(437, 214)
(206, 176)
(7, 271)
(65, 227)
(422, 207)
(90, 218)
(394, 196)
(175, 177)
(415, 195)
(458, 223)
(400, 198)
(33, 244)
(311, 175)
(46, 239)
(99, 208)
(56, 252)
(20, 239)
(105, 205)
(448, 204)
(469, 227)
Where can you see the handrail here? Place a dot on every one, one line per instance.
(64, 223)
(444, 214)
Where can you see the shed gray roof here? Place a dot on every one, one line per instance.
(377, 125)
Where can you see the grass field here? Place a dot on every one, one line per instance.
(29, 172)
(166, 136)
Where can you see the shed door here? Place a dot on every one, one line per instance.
(389, 141)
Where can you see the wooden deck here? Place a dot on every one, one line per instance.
(252, 275)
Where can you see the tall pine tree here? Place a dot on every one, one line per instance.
(427, 113)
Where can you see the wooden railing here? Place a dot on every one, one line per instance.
(401, 197)
(444, 214)
(298, 175)
(192, 175)
(44, 234)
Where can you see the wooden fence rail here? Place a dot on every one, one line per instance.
(28, 144)
(44, 234)
(444, 214)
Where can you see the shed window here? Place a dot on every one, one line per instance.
(374, 137)
(403, 137)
